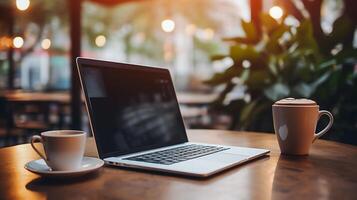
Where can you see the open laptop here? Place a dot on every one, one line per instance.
(136, 122)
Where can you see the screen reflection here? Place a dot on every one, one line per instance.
(132, 108)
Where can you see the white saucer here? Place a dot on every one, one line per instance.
(88, 165)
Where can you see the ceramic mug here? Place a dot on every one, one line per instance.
(64, 149)
(295, 123)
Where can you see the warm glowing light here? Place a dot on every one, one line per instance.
(18, 42)
(22, 4)
(246, 64)
(168, 25)
(168, 51)
(190, 29)
(46, 44)
(208, 34)
(276, 12)
(100, 40)
(5, 42)
(168, 55)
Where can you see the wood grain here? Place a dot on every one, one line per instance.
(64, 97)
(328, 173)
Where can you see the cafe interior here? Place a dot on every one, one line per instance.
(230, 61)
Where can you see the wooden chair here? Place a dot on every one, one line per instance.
(24, 119)
(8, 134)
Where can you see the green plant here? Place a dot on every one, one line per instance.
(276, 60)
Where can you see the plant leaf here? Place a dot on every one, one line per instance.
(277, 91)
(218, 57)
(224, 77)
(258, 79)
(269, 23)
(249, 30)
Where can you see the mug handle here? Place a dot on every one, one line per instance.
(33, 140)
(323, 131)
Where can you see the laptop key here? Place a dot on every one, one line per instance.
(177, 154)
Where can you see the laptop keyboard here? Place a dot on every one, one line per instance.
(177, 154)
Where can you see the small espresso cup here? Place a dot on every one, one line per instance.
(64, 149)
(295, 122)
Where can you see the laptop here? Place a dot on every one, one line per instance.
(136, 122)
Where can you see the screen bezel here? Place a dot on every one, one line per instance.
(83, 62)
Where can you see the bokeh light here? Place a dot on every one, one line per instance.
(18, 42)
(100, 40)
(208, 34)
(168, 25)
(276, 12)
(5, 42)
(46, 43)
(190, 29)
(246, 64)
(22, 4)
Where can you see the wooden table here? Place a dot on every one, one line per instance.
(62, 100)
(15, 99)
(328, 173)
(64, 97)
(47, 97)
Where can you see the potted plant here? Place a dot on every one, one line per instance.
(275, 60)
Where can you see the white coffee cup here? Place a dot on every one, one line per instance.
(64, 149)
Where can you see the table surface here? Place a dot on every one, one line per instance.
(329, 172)
(64, 97)
(24, 96)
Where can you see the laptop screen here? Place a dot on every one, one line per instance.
(132, 108)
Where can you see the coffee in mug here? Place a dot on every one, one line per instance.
(64, 149)
(295, 122)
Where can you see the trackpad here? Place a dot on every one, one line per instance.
(225, 158)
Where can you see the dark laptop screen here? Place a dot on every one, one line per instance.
(132, 108)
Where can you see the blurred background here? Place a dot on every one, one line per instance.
(230, 59)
